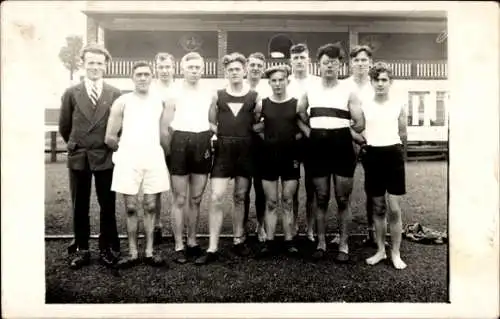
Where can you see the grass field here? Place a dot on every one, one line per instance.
(275, 280)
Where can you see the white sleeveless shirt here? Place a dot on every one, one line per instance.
(191, 109)
(297, 88)
(139, 145)
(335, 98)
(364, 92)
(381, 126)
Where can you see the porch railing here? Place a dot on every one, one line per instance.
(402, 69)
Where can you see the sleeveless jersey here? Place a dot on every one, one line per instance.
(328, 107)
(139, 144)
(191, 109)
(165, 93)
(382, 122)
(297, 88)
(280, 120)
(235, 114)
(365, 93)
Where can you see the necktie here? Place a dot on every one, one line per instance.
(94, 95)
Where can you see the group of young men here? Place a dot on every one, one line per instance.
(176, 135)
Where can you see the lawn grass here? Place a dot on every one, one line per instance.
(278, 279)
(425, 202)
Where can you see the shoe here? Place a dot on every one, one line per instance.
(194, 252)
(241, 250)
(290, 249)
(318, 254)
(180, 256)
(154, 261)
(342, 257)
(82, 259)
(157, 236)
(127, 262)
(207, 258)
(108, 259)
(264, 250)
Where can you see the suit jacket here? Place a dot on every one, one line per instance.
(83, 127)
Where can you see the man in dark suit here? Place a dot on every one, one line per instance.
(82, 124)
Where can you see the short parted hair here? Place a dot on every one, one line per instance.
(163, 56)
(378, 68)
(257, 55)
(357, 49)
(234, 57)
(140, 64)
(278, 68)
(331, 50)
(191, 56)
(95, 48)
(299, 48)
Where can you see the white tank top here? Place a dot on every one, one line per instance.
(165, 92)
(191, 109)
(335, 99)
(364, 92)
(296, 88)
(382, 127)
(139, 144)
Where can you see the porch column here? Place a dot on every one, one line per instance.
(100, 35)
(222, 50)
(353, 41)
(92, 30)
(353, 37)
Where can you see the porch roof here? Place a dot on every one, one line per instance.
(357, 9)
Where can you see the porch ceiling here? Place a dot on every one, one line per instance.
(252, 22)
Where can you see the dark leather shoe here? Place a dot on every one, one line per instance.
(194, 252)
(207, 258)
(82, 259)
(319, 254)
(241, 250)
(180, 257)
(155, 261)
(108, 259)
(127, 262)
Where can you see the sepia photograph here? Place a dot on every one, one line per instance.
(251, 153)
(224, 212)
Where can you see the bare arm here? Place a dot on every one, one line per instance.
(357, 115)
(66, 115)
(303, 121)
(403, 132)
(115, 121)
(166, 119)
(212, 114)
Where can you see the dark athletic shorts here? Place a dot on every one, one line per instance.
(233, 157)
(279, 160)
(330, 152)
(190, 153)
(384, 170)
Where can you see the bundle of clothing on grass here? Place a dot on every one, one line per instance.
(424, 235)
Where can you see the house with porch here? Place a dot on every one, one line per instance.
(412, 42)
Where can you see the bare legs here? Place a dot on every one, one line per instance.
(180, 184)
(395, 225)
(216, 214)
(149, 203)
(271, 190)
